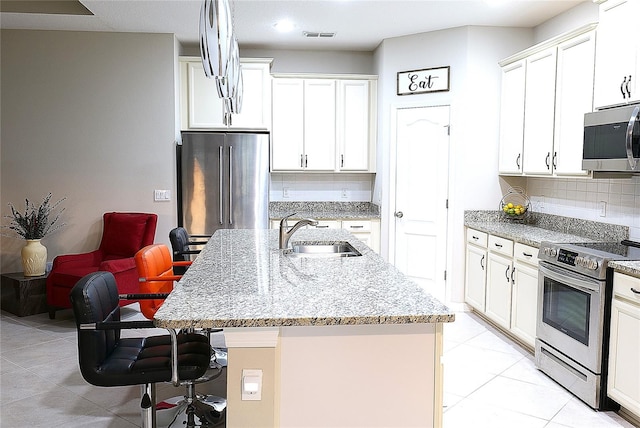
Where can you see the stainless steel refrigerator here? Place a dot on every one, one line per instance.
(223, 181)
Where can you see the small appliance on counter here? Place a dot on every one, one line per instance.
(574, 310)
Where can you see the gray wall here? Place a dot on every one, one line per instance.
(91, 117)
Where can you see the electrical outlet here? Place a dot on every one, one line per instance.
(285, 192)
(344, 193)
(603, 208)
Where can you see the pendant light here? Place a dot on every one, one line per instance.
(215, 37)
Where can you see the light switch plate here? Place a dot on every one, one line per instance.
(161, 195)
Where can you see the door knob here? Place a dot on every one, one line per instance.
(399, 214)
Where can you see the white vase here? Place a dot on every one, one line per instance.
(34, 258)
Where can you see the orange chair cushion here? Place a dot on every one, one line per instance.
(154, 263)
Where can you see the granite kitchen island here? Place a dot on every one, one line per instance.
(341, 342)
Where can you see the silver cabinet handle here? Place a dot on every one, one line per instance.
(230, 184)
(518, 161)
(628, 86)
(506, 274)
(629, 137)
(356, 227)
(399, 214)
(481, 262)
(513, 271)
(633, 290)
(555, 160)
(624, 95)
(220, 166)
(475, 238)
(497, 245)
(306, 163)
(527, 254)
(341, 161)
(322, 226)
(301, 161)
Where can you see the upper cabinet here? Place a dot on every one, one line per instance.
(323, 124)
(201, 107)
(618, 54)
(546, 90)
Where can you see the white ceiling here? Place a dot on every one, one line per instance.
(358, 24)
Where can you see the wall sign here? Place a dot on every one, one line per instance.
(422, 81)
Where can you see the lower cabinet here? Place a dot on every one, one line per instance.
(367, 231)
(623, 384)
(501, 283)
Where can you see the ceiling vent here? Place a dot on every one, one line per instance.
(316, 35)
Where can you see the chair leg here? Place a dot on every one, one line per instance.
(148, 405)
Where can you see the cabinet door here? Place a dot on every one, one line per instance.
(539, 112)
(475, 277)
(498, 299)
(524, 302)
(353, 125)
(574, 98)
(617, 55)
(201, 105)
(287, 139)
(512, 118)
(256, 101)
(624, 370)
(319, 124)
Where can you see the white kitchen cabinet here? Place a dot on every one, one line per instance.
(475, 269)
(540, 89)
(617, 54)
(623, 384)
(368, 231)
(323, 124)
(546, 90)
(512, 117)
(355, 132)
(499, 278)
(303, 125)
(201, 107)
(319, 125)
(524, 298)
(574, 98)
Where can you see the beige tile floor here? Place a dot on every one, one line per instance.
(489, 382)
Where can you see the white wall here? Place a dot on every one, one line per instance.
(91, 117)
(473, 54)
(321, 187)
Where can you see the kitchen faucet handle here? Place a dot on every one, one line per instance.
(283, 222)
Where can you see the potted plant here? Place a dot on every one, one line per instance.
(34, 224)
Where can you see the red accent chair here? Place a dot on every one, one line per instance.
(122, 236)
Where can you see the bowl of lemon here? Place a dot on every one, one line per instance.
(515, 203)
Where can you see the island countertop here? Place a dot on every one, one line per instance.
(242, 279)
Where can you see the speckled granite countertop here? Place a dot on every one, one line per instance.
(628, 267)
(539, 227)
(325, 210)
(242, 279)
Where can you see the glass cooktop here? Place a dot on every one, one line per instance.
(627, 249)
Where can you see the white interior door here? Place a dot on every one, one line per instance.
(422, 164)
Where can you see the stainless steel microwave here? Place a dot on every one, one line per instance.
(612, 141)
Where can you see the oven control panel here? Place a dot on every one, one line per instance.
(573, 258)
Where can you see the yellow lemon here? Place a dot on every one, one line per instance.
(509, 205)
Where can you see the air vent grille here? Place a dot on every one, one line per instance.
(317, 35)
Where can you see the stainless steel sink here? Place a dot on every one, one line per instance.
(322, 249)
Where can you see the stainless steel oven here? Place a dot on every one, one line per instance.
(574, 305)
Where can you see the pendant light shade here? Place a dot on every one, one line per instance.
(237, 86)
(215, 37)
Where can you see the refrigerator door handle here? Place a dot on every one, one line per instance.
(220, 193)
(230, 184)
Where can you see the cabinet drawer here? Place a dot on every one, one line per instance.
(477, 238)
(326, 224)
(525, 253)
(356, 226)
(501, 245)
(623, 284)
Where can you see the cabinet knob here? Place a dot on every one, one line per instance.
(399, 214)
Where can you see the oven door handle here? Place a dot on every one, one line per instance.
(569, 278)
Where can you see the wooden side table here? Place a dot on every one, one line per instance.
(23, 295)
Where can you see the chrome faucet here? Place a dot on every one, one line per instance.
(286, 232)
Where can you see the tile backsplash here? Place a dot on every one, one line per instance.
(614, 201)
(321, 187)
